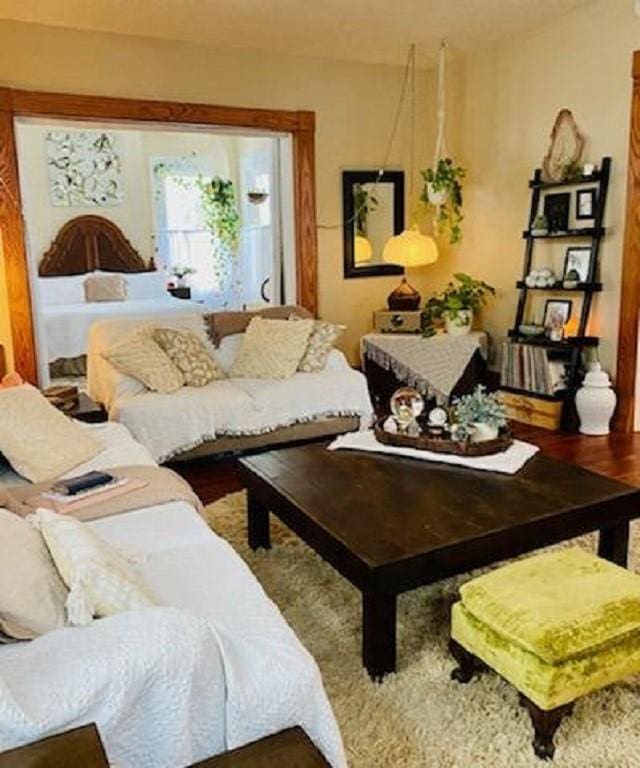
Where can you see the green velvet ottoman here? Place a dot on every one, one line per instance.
(556, 626)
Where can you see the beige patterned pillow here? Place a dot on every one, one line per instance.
(272, 349)
(100, 580)
(189, 354)
(322, 340)
(37, 439)
(138, 355)
(32, 597)
(105, 288)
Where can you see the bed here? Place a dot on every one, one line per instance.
(86, 245)
(214, 667)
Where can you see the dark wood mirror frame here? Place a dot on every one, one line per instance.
(349, 179)
(626, 369)
(17, 103)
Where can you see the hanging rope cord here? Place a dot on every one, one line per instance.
(407, 81)
(441, 144)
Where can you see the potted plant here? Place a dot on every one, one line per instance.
(443, 189)
(540, 225)
(456, 305)
(482, 413)
(180, 272)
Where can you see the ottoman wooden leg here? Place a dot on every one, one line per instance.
(545, 724)
(468, 664)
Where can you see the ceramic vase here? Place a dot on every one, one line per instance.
(595, 402)
(482, 432)
(436, 197)
(460, 323)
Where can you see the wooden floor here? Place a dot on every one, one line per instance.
(617, 456)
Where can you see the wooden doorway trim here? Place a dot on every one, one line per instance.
(630, 276)
(18, 103)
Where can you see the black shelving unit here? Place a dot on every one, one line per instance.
(570, 349)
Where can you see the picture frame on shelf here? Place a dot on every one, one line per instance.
(556, 210)
(577, 264)
(586, 203)
(556, 312)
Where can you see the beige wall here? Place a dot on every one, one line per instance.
(354, 105)
(503, 103)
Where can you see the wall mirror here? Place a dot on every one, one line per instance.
(372, 212)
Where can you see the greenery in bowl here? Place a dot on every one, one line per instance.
(464, 293)
(480, 407)
(446, 179)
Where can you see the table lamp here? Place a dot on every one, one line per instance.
(409, 249)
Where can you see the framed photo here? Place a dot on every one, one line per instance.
(557, 312)
(556, 210)
(586, 203)
(577, 264)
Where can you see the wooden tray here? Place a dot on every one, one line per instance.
(443, 445)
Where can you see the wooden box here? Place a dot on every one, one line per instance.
(387, 321)
(533, 410)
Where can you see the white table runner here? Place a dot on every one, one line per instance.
(508, 462)
(433, 366)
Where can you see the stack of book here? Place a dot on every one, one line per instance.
(528, 368)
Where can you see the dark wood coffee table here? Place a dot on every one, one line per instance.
(389, 525)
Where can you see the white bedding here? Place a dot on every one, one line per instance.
(66, 326)
(215, 668)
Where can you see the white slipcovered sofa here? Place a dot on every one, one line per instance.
(230, 414)
(213, 667)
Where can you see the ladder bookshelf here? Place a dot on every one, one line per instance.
(569, 350)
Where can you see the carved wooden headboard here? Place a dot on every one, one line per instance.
(87, 243)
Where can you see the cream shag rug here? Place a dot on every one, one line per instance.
(418, 717)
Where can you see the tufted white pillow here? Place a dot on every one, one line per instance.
(37, 439)
(100, 581)
(272, 349)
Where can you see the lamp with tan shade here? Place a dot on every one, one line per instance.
(411, 250)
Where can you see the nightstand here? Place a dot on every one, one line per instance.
(85, 409)
(180, 292)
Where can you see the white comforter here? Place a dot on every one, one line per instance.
(215, 668)
(66, 326)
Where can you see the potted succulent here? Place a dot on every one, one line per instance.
(540, 225)
(482, 413)
(180, 272)
(456, 305)
(443, 189)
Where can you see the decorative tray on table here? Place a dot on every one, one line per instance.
(438, 444)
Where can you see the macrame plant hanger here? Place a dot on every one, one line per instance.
(441, 141)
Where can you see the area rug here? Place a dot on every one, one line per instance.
(418, 717)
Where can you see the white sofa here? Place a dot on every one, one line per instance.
(214, 667)
(228, 414)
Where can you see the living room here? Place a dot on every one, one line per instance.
(364, 577)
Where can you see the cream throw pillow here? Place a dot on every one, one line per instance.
(272, 349)
(37, 439)
(189, 354)
(105, 288)
(32, 597)
(100, 580)
(322, 340)
(138, 355)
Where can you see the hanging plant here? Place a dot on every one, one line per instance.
(443, 190)
(364, 203)
(222, 219)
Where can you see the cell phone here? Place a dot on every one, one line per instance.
(73, 485)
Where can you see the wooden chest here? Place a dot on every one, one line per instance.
(533, 410)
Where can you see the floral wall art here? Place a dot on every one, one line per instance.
(84, 169)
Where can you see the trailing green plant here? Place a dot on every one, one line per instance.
(465, 293)
(364, 203)
(480, 407)
(222, 219)
(446, 178)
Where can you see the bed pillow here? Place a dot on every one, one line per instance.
(322, 340)
(61, 290)
(189, 354)
(105, 288)
(100, 581)
(32, 598)
(147, 285)
(222, 324)
(37, 439)
(141, 357)
(272, 349)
